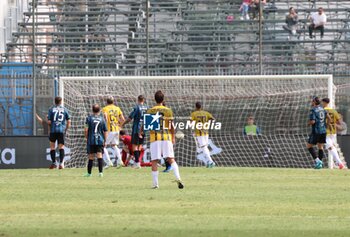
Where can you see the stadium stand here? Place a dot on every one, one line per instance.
(109, 37)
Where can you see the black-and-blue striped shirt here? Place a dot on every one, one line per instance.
(58, 115)
(96, 125)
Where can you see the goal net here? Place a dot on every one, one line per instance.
(280, 107)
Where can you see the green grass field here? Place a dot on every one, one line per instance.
(216, 202)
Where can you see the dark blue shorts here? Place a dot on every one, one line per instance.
(136, 140)
(93, 149)
(317, 138)
(59, 137)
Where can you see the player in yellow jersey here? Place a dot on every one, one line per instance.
(114, 118)
(333, 119)
(162, 138)
(201, 136)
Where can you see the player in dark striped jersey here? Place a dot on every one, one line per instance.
(96, 136)
(137, 139)
(59, 122)
(317, 120)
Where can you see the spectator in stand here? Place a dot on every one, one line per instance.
(291, 21)
(251, 129)
(244, 9)
(318, 21)
(255, 6)
(342, 128)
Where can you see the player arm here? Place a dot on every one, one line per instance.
(338, 119)
(48, 122)
(105, 115)
(126, 121)
(311, 122)
(86, 132)
(131, 117)
(86, 128)
(142, 132)
(68, 121)
(312, 118)
(105, 133)
(49, 118)
(68, 124)
(328, 120)
(40, 120)
(192, 118)
(121, 119)
(125, 148)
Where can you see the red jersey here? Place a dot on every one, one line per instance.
(127, 142)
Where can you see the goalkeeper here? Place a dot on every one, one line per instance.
(128, 153)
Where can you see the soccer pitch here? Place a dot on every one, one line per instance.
(215, 202)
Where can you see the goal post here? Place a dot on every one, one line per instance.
(279, 105)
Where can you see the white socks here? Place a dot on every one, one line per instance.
(176, 170)
(117, 154)
(106, 157)
(155, 178)
(206, 152)
(335, 155)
